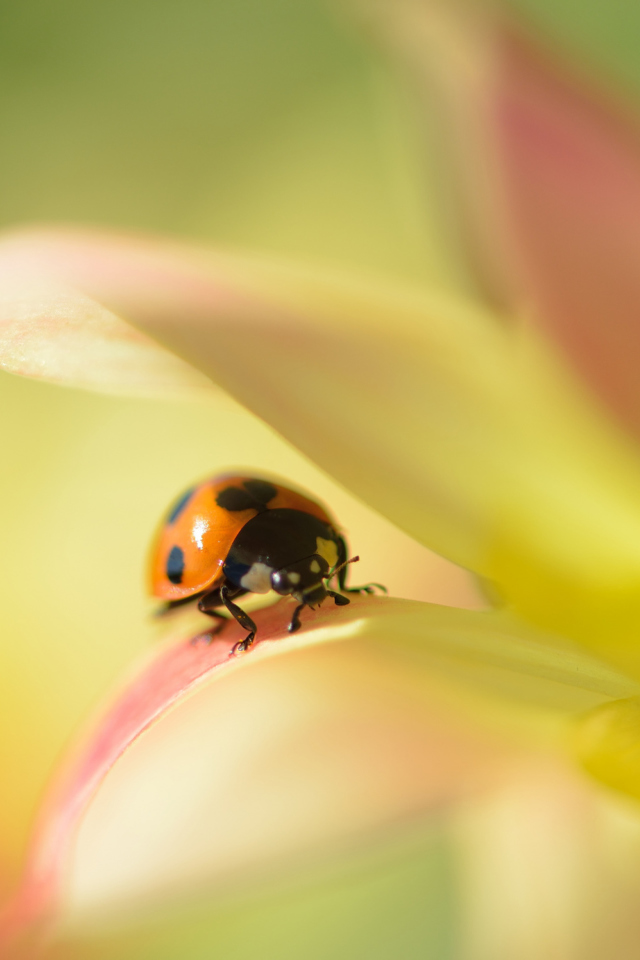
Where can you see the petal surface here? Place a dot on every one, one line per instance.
(548, 867)
(248, 763)
(51, 332)
(608, 742)
(572, 177)
(462, 431)
(548, 175)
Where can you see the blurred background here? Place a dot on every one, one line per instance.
(276, 125)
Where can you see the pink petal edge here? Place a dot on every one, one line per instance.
(571, 166)
(547, 182)
(168, 676)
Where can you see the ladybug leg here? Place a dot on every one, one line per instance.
(340, 601)
(243, 619)
(295, 619)
(206, 605)
(342, 576)
(366, 588)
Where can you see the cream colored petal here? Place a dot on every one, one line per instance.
(54, 333)
(358, 723)
(461, 431)
(548, 866)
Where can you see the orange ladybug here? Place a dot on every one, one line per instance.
(234, 535)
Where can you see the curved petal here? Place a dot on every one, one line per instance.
(572, 177)
(281, 758)
(608, 743)
(464, 434)
(57, 334)
(549, 171)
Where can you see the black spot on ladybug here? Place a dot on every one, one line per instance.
(234, 498)
(175, 565)
(260, 490)
(179, 506)
(255, 495)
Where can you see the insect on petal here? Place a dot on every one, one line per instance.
(219, 766)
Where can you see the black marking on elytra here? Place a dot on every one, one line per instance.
(175, 565)
(255, 496)
(261, 490)
(179, 505)
(235, 499)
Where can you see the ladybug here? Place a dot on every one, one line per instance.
(234, 535)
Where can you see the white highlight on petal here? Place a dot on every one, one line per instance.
(258, 578)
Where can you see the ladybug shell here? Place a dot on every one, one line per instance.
(192, 544)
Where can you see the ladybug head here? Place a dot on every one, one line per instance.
(303, 580)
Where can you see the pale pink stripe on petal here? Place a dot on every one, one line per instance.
(571, 164)
(547, 181)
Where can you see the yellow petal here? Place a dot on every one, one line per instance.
(608, 742)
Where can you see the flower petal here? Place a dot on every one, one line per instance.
(548, 867)
(282, 758)
(549, 172)
(51, 332)
(572, 178)
(461, 431)
(608, 742)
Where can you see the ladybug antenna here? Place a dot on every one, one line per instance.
(337, 569)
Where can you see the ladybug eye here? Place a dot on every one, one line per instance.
(284, 581)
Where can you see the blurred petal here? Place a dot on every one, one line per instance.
(279, 758)
(497, 460)
(363, 375)
(550, 175)
(572, 177)
(449, 47)
(608, 741)
(548, 867)
(52, 333)
(283, 342)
